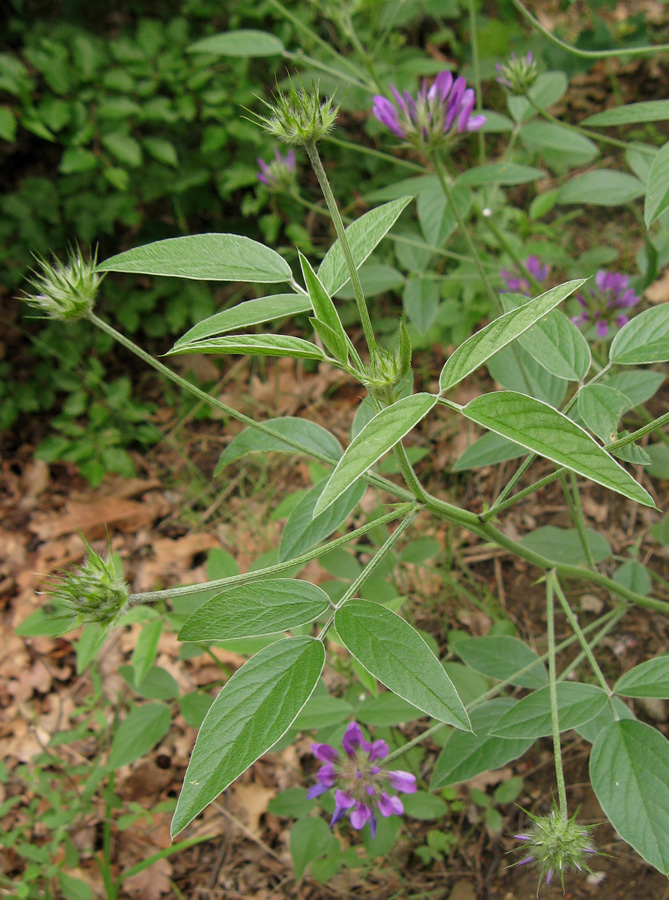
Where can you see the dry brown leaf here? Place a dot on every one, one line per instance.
(152, 883)
(658, 291)
(250, 801)
(172, 560)
(487, 779)
(97, 514)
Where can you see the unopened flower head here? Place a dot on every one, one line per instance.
(518, 74)
(555, 845)
(299, 116)
(434, 116)
(94, 592)
(387, 367)
(517, 282)
(279, 173)
(64, 290)
(604, 305)
(361, 786)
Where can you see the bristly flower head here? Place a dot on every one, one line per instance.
(299, 116)
(434, 116)
(360, 785)
(603, 305)
(279, 173)
(64, 291)
(556, 845)
(516, 281)
(518, 74)
(94, 592)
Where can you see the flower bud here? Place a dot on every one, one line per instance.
(94, 592)
(64, 291)
(386, 368)
(298, 116)
(518, 74)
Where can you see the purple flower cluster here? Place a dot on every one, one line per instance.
(517, 282)
(360, 785)
(279, 173)
(427, 120)
(602, 305)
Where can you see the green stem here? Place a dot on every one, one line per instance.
(555, 717)
(258, 574)
(573, 499)
(301, 57)
(379, 154)
(617, 615)
(408, 473)
(576, 628)
(510, 485)
(314, 158)
(587, 54)
(474, 40)
(386, 31)
(443, 181)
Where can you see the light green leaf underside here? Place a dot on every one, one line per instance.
(603, 187)
(394, 653)
(531, 716)
(657, 192)
(253, 710)
(211, 257)
(363, 236)
(253, 345)
(377, 437)
(631, 114)
(548, 432)
(483, 345)
(251, 312)
(629, 771)
(245, 42)
(557, 344)
(310, 436)
(650, 679)
(488, 450)
(644, 340)
(249, 610)
(601, 407)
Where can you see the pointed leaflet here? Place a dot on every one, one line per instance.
(644, 340)
(489, 340)
(531, 716)
(376, 438)
(215, 257)
(325, 311)
(312, 438)
(143, 727)
(251, 312)
(629, 771)
(303, 530)
(557, 344)
(394, 653)
(657, 190)
(245, 42)
(649, 679)
(500, 656)
(647, 111)
(468, 754)
(253, 710)
(249, 610)
(601, 407)
(363, 236)
(544, 430)
(253, 345)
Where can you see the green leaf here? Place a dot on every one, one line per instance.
(631, 114)
(253, 345)
(466, 755)
(424, 806)
(157, 684)
(644, 340)
(325, 311)
(363, 236)
(590, 730)
(323, 712)
(292, 802)
(395, 654)
(515, 369)
(435, 215)
(375, 278)
(500, 173)
(547, 90)
(629, 771)
(74, 888)
(551, 139)
(7, 124)
(377, 437)
(531, 716)
(483, 345)
(488, 450)
(659, 460)
(386, 709)
(650, 679)
(215, 257)
(245, 42)
(657, 190)
(420, 300)
(603, 187)
(144, 654)
(77, 159)
(563, 545)
(143, 727)
(501, 656)
(309, 839)
(638, 385)
(558, 345)
(194, 707)
(125, 148)
(161, 150)
(601, 407)
(312, 437)
(249, 610)
(303, 530)
(253, 710)
(548, 432)
(634, 576)
(251, 312)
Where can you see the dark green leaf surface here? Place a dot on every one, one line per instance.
(531, 716)
(308, 434)
(649, 679)
(143, 727)
(303, 530)
(500, 657)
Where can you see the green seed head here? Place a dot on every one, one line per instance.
(299, 116)
(386, 368)
(518, 74)
(67, 290)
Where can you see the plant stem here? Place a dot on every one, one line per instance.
(443, 181)
(555, 716)
(474, 40)
(314, 158)
(573, 499)
(576, 628)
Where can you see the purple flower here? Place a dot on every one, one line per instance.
(279, 173)
(603, 304)
(361, 786)
(516, 281)
(430, 118)
(518, 74)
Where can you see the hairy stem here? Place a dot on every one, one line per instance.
(555, 716)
